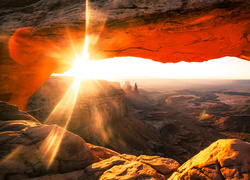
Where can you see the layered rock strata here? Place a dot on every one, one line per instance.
(27, 147)
(99, 115)
(38, 38)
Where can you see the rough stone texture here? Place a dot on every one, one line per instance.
(36, 36)
(75, 175)
(101, 152)
(11, 112)
(224, 159)
(118, 167)
(163, 165)
(97, 169)
(224, 117)
(27, 147)
(99, 115)
(131, 170)
(124, 166)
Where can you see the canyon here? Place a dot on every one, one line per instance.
(99, 116)
(39, 37)
(26, 148)
(114, 135)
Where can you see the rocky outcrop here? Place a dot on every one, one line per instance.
(33, 150)
(136, 91)
(224, 117)
(224, 159)
(29, 149)
(101, 152)
(99, 116)
(121, 167)
(163, 165)
(127, 166)
(36, 36)
(11, 112)
(127, 87)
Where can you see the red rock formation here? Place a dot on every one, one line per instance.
(224, 159)
(172, 31)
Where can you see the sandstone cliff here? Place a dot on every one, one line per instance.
(100, 115)
(29, 150)
(41, 37)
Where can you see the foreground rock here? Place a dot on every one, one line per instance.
(30, 149)
(101, 152)
(224, 159)
(121, 167)
(11, 112)
(163, 165)
(131, 167)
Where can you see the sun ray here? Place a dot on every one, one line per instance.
(62, 113)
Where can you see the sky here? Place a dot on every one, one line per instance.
(135, 68)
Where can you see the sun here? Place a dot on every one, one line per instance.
(81, 66)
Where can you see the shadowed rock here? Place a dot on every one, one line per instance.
(11, 112)
(30, 149)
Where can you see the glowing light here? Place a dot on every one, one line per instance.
(204, 115)
(169, 100)
(61, 115)
(131, 67)
(11, 155)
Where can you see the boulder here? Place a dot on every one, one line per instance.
(131, 170)
(224, 159)
(12, 112)
(163, 165)
(30, 149)
(127, 166)
(102, 152)
(119, 168)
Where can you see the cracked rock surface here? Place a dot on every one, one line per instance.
(224, 159)
(27, 149)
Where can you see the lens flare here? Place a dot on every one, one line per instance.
(204, 115)
(168, 100)
(62, 113)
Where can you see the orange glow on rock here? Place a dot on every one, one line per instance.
(169, 100)
(24, 47)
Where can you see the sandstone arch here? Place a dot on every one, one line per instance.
(37, 35)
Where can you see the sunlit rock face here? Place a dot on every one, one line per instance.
(41, 37)
(99, 115)
(29, 149)
(224, 159)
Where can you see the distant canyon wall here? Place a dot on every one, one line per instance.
(99, 115)
(38, 38)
